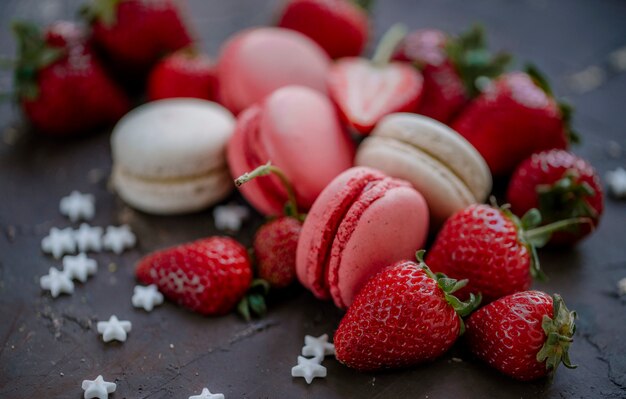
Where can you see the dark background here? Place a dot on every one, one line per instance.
(49, 346)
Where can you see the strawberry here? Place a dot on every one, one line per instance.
(61, 86)
(134, 34)
(209, 276)
(561, 185)
(492, 248)
(452, 67)
(339, 26)
(365, 91)
(524, 335)
(275, 242)
(183, 74)
(404, 315)
(515, 116)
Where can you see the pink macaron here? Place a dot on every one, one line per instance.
(298, 130)
(361, 222)
(257, 61)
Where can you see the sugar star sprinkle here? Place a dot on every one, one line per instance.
(147, 297)
(308, 369)
(230, 217)
(616, 181)
(206, 394)
(88, 238)
(114, 329)
(98, 388)
(117, 239)
(77, 206)
(79, 267)
(621, 287)
(59, 242)
(57, 282)
(318, 347)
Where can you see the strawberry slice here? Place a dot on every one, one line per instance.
(365, 91)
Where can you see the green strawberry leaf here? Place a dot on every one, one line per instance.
(559, 332)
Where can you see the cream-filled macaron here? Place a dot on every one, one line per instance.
(444, 167)
(169, 156)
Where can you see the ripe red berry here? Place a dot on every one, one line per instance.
(275, 246)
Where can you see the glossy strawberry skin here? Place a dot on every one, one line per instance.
(481, 243)
(338, 26)
(509, 121)
(546, 168)
(209, 276)
(275, 246)
(507, 334)
(400, 318)
(183, 75)
(142, 32)
(444, 92)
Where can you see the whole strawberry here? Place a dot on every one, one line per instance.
(525, 335)
(183, 74)
(134, 34)
(404, 315)
(514, 117)
(339, 26)
(451, 66)
(209, 276)
(492, 248)
(60, 85)
(562, 186)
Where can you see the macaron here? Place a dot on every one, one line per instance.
(435, 159)
(299, 131)
(169, 156)
(257, 61)
(362, 222)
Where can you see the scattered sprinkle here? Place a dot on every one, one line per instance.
(78, 206)
(617, 59)
(117, 239)
(230, 217)
(457, 359)
(616, 181)
(588, 79)
(147, 297)
(57, 282)
(621, 287)
(317, 347)
(79, 267)
(98, 388)
(308, 369)
(59, 242)
(206, 394)
(88, 238)
(114, 329)
(614, 149)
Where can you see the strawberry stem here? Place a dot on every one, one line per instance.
(388, 44)
(559, 332)
(539, 236)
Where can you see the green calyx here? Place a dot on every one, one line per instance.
(253, 303)
(33, 54)
(565, 108)
(388, 44)
(104, 11)
(449, 286)
(559, 336)
(566, 198)
(473, 61)
(291, 207)
(366, 5)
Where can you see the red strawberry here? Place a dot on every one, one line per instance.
(339, 26)
(365, 91)
(562, 186)
(525, 335)
(209, 276)
(134, 34)
(403, 316)
(451, 67)
(60, 84)
(492, 248)
(515, 116)
(183, 74)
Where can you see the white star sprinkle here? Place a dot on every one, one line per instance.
(57, 282)
(230, 217)
(147, 297)
(318, 347)
(88, 238)
(621, 287)
(59, 242)
(79, 267)
(309, 369)
(114, 329)
(98, 388)
(206, 394)
(78, 206)
(117, 239)
(616, 181)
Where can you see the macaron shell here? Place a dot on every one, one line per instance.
(388, 223)
(444, 192)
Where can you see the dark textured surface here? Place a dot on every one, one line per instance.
(47, 347)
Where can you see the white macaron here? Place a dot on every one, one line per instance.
(169, 156)
(435, 159)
